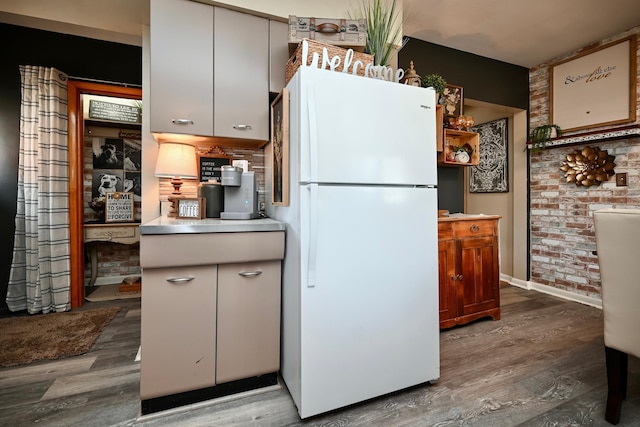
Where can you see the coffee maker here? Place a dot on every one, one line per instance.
(240, 193)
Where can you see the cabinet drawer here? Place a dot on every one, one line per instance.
(445, 231)
(464, 229)
(165, 250)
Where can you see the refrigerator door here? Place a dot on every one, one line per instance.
(369, 293)
(366, 131)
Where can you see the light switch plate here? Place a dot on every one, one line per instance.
(621, 179)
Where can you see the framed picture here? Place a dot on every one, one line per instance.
(452, 100)
(491, 175)
(191, 208)
(118, 207)
(596, 88)
(280, 143)
(209, 166)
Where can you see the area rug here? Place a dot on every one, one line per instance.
(110, 292)
(26, 339)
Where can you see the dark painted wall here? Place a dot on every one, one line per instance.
(482, 79)
(76, 56)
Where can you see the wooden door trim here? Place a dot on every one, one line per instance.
(76, 173)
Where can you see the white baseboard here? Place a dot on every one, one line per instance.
(550, 290)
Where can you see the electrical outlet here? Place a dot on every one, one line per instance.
(621, 179)
(261, 206)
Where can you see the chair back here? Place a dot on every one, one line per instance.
(618, 246)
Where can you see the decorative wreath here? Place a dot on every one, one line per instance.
(589, 166)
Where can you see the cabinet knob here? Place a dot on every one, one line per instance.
(242, 127)
(249, 273)
(182, 121)
(180, 280)
(459, 276)
(475, 228)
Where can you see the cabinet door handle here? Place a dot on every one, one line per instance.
(180, 279)
(250, 273)
(182, 121)
(474, 228)
(242, 127)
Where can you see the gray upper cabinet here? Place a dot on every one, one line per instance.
(181, 57)
(278, 54)
(209, 72)
(241, 73)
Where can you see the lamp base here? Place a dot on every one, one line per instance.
(173, 213)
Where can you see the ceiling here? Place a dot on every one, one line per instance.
(525, 33)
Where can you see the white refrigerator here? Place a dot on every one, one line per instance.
(360, 273)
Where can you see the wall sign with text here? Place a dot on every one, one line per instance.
(119, 207)
(596, 88)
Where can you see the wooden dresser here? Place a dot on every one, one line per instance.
(469, 269)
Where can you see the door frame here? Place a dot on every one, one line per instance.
(75, 89)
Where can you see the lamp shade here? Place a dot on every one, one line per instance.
(176, 160)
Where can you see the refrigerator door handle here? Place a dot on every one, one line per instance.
(313, 134)
(313, 234)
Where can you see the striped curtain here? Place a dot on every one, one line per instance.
(39, 280)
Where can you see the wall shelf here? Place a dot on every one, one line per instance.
(595, 136)
(456, 139)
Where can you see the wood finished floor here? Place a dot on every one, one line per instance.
(541, 365)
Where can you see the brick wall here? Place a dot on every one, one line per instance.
(256, 164)
(561, 214)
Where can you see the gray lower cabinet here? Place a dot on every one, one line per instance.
(248, 332)
(210, 309)
(178, 330)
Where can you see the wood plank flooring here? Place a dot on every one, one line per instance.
(541, 365)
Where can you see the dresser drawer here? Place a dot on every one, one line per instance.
(109, 233)
(477, 228)
(445, 231)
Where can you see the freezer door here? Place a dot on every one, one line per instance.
(369, 293)
(366, 131)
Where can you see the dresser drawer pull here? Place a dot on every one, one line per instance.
(475, 228)
(250, 273)
(182, 121)
(242, 127)
(180, 279)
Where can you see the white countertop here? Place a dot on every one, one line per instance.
(165, 225)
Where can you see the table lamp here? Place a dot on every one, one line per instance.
(176, 161)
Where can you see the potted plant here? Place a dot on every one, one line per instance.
(383, 29)
(542, 134)
(435, 81)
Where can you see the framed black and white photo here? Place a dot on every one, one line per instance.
(280, 143)
(491, 175)
(106, 181)
(108, 153)
(596, 88)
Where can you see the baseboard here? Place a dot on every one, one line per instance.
(561, 293)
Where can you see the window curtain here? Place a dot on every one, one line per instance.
(39, 280)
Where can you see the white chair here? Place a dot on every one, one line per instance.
(618, 249)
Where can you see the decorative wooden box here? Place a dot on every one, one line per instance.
(456, 141)
(349, 33)
(295, 61)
